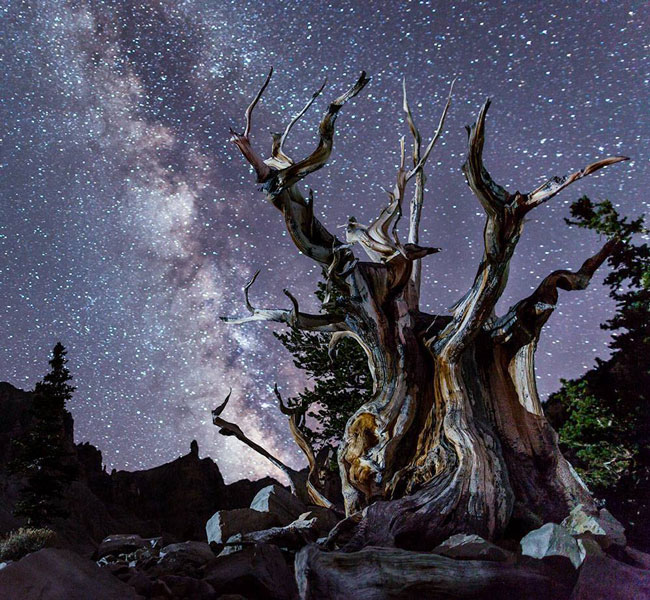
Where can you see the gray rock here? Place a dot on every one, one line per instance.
(196, 552)
(471, 547)
(184, 558)
(56, 574)
(601, 526)
(603, 578)
(279, 501)
(638, 559)
(551, 540)
(255, 572)
(226, 523)
(124, 544)
(588, 547)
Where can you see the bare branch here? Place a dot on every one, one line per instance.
(524, 321)
(242, 141)
(491, 195)
(249, 110)
(296, 416)
(556, 184)
(418, 171)
(279, 159)
(436, 135)
(231, 429)
(293, 318)
(317, 159)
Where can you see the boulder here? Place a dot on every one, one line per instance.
(257, 573)
(124, 544)
(226, 523)
(279, 501)
(380, 573)
(551, 540)
(603, 578)
(637, 558)
(601, 526)
(185, 558)
(471, 547)
(188, 587)
(588, 547)
(56, 574)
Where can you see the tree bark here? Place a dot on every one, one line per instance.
(454, 438)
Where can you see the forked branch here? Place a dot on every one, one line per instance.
(418, 170)
(505, 214)
(292, 317)
(318, 158)
(232, 429)
(524, 321)
(242, 140)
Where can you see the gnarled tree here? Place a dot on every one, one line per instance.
(454, 438)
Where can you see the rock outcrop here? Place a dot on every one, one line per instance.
(173, 500)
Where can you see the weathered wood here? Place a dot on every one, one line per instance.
(453, 439)
(382, 573)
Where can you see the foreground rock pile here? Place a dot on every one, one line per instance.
(279, 549)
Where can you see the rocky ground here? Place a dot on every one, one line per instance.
(280, 549)
(178, 532)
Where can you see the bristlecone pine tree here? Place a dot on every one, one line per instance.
(41, 456)
(453, 438)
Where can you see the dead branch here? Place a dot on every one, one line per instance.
(292, 317)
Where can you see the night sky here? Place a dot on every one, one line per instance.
(129, 222)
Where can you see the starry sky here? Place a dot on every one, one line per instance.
(129, 222)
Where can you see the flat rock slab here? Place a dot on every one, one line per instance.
(471, 547)
(382, 573)
(279, 501)
(55, 574)
(552, 540)
(603, 578)
(226, 523)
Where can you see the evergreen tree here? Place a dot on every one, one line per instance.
(41, 457)
(603, 417)
(342, 383)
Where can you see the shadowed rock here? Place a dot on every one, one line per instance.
(55, 574)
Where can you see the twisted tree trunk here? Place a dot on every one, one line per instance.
(454, 438)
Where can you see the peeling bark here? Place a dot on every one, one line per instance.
(454, 438)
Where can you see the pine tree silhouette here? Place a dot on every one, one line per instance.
(41, 457)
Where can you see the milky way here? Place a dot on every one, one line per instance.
(129, 222)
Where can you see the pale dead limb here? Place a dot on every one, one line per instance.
(296, 416)
(279, 159)
(296, 479)
(420, 178)
(318, 158)
(242, 140)
(523, 321)
(292, 317)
